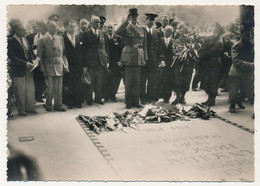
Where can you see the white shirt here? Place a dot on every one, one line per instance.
(51, 37)
(35, 41)
(149, 30)
(72, 39)
(36, 38)
(22, 41)
(96, 33)
(110, 36)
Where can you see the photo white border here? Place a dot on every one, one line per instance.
(3, 93)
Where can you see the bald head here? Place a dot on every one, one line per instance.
(52, 27)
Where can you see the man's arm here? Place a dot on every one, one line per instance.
(64, 57)
(237, 61)
(40, 51)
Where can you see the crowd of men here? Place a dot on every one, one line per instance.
(86, 61)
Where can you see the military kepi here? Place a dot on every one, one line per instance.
(151, 17)
(102, 19)
(133, 12)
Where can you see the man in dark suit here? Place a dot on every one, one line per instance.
(149, 73)
(72, 83)
(133, 57)
(165, 84)
(94, 59)
(53, 63)
(115, 67)
(21, 58)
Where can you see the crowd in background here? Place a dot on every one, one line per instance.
(84, 61)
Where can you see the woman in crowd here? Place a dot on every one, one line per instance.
(21, 58)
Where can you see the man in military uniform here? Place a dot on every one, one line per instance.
(102, 23)
(242, 69)
(150, 73)
(211, 56)
(133, 57)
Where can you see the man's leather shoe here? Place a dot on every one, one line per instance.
(69, 107)
(79, 106)
(32, 112)
(48, 109)
(23, 114)
(90, 103)
(99, 102)
(166, 101)
(241, 106)
(127, 106)
(113, 99)
(138, 106)
(60, 109)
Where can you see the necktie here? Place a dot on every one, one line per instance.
(39, 35)
(23, 42)
(53, 41)
(96, 33)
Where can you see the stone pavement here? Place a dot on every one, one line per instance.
(64, 152)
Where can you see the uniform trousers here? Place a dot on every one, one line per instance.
(211, 76)
(24, 92)
(241, 88)
(132, 85)
(54, 90)
(182, 77)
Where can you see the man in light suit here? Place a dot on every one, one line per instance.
(94, 59)
(53, 63)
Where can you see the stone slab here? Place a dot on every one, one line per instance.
(196, 150)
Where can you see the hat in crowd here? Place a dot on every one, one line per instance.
(102, 19)
(86, 78)
(164, 17)
(158, 24)
(133, 12)
(151, 16)
(219, 28)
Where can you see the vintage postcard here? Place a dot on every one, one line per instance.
(132, 93)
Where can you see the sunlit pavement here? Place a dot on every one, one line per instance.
(64, 152)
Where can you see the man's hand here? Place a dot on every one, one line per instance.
(29, 65)
(66, 69)
(85, 70)
(162, 64)
(119, 63)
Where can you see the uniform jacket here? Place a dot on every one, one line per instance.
(94, 49)
(17, 57)
(212, 52)
(135, 51)
(52, 55)
(115, 47)
(154, 47)
(242, 60)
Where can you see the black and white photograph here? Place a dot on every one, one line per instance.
(130, 93)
